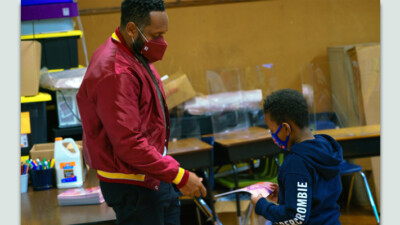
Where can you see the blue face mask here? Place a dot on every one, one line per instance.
(281, 144)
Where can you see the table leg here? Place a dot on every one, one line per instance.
(210, 196)
(235, 173)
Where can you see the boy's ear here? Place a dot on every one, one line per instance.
(288, 128)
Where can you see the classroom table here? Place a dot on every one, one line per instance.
(242, 145)
(191, 153)
(357, 142)
(41, 207)
(256, 142)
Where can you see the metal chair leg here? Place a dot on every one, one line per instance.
(248, 213)
(238, 213)
(371, 199)
(350, 193)
(198, 216)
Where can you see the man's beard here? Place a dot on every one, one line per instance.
(138, 45)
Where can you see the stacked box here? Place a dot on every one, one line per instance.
(48, 18)
(59, 50)
(36, 106)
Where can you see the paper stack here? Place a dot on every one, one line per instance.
(81, 196)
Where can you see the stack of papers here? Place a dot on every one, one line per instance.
(81, 196)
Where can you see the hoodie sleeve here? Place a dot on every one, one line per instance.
(297, 205)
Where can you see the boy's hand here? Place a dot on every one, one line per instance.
(273, 197)
(255, 198)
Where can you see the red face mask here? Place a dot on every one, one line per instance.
(154, 49)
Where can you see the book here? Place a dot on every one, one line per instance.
(81, 196)
(263, 188)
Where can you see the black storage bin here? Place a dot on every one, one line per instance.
(38, 120)
(59, 53)
(69, 132)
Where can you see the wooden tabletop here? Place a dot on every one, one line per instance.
(349, 133)
(41, 207)
(251, 134)
(187, 146)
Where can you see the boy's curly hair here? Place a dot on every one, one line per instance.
(287, 105)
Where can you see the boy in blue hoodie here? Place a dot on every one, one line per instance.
(308, 180)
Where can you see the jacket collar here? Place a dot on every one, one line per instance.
(119, 40)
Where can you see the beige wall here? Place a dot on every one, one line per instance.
(289, 33)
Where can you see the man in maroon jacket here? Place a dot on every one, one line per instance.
(125, 121)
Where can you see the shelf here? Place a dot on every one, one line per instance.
(41, 97)
(71, 33)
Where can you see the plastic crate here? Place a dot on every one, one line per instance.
(69, 132)
(40, 2)
(46, 26)
(36, 106)
(59, 50)
(49, 11)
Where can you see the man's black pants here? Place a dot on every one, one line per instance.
(138, 205)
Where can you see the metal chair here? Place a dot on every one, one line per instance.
(347, 168)
(207, 210)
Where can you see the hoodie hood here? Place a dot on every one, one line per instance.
(323, 153)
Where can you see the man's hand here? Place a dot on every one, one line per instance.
(273, 197)
(194, 187)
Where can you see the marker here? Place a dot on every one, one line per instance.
(39, 163)
(52, 163)
(45, 165)
(34, 166)
(25, 168)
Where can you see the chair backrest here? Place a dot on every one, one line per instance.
(208, 140)
(348, 168)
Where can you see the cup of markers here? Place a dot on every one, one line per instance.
(41, 173)
(24, 177)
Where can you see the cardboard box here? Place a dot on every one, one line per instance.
(46, 150)
(366, 69)
(344, 85)
(178, 89)
(31, 52)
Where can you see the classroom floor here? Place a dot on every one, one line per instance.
(357, 215)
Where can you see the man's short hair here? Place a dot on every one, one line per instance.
(138, 11)
(287, 105)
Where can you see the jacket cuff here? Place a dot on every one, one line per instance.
(261, 205)
(182, 178)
